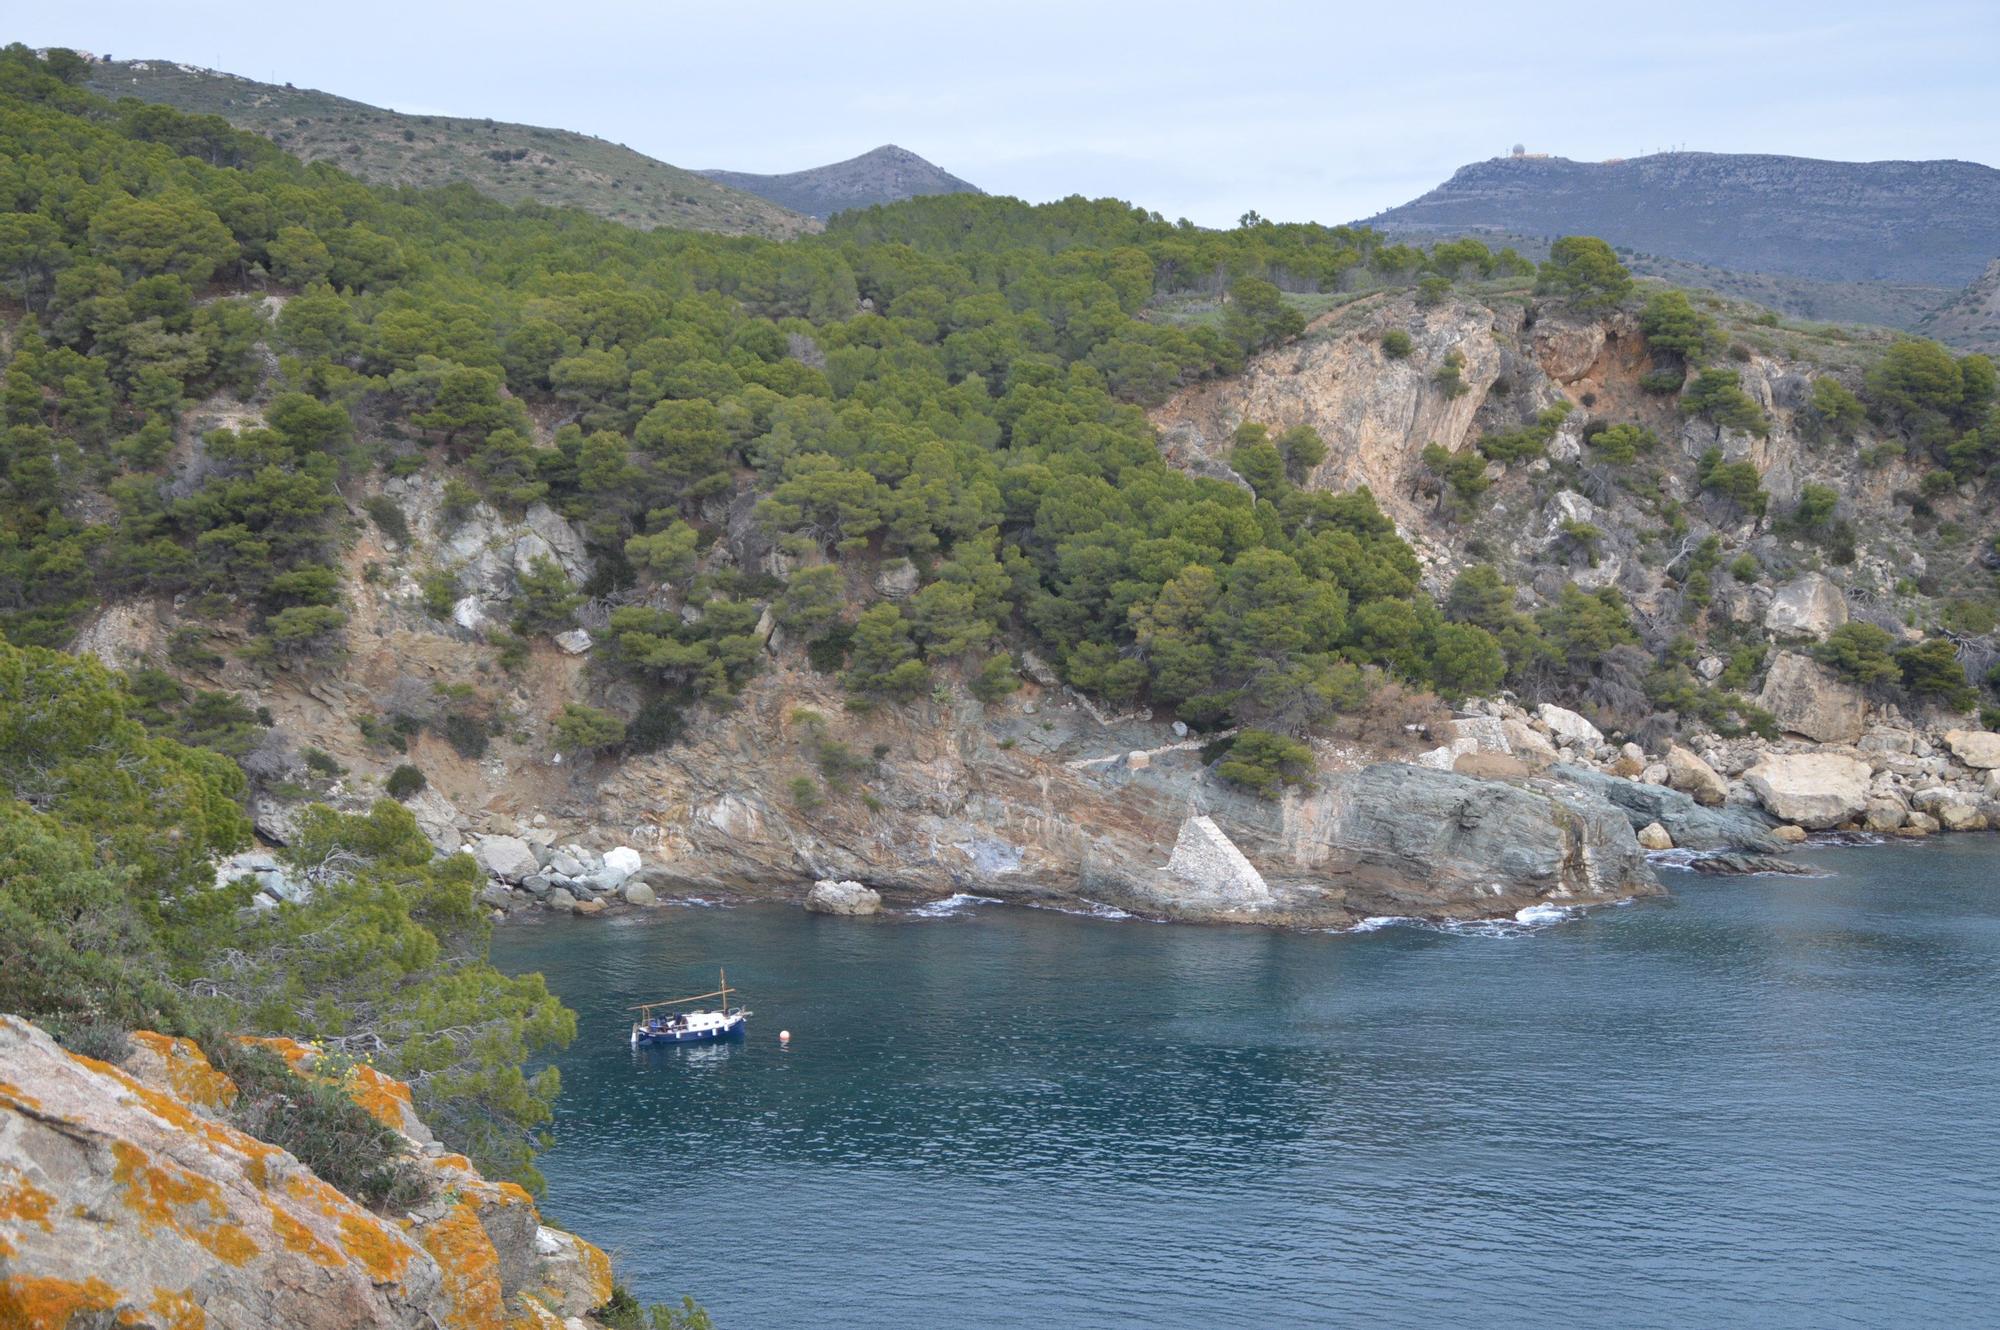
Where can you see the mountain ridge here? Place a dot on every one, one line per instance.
(514, 163)
(887, 174)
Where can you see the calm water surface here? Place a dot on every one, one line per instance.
(1769, 1101)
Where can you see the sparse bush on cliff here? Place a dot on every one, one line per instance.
(1264, 763)
(404, 781)
(1584, 272)
(1396, 344)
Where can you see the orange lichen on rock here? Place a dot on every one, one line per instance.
(13, 1096)
(298, 1238)
(385, 1097)
(177, 1311)
(23, 1203)
(598, 1267)
(380, 1250)
(34, 1303)
(158, 1193)
(188, 1070)
(471, 1268)
(291, 1050)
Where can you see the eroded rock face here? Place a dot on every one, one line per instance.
(1207, 870)
(1809, 606)
(1809, 699)
(125, 1195)
(1691, 825)
(1814, 790)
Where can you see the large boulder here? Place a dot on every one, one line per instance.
(508, 858)
(1809, 699)
(830, 897)
(1975, 748)
(1815, 790)
(1570, 728)
(1807, 606)
(1692, 825)
(1688, 773)
(624, 861)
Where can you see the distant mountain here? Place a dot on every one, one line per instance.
(887, 174)
(1930, 223)
(1971, 319)
(1856, 242)
(513, 163)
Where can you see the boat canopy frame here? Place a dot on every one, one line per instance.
(723, 992)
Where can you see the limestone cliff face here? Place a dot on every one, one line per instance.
(127, 1199)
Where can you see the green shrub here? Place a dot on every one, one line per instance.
(585, 729)
(1396, 344)
(1930, 670)
(1264, 763)
(404, 781)
(1860, 652)
(388, 515)
(317, 1120)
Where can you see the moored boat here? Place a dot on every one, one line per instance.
(659, 1025)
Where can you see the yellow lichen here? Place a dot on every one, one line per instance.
(159, 1193)
(298, 1238)
(598, 1267)
(382, 1252)
(33, 1303)
(385, 1098)
(23, 1203)
(464, 1253)
(13, 1096)
(188, 1070)
(177, 1311)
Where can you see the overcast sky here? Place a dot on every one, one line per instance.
(1327, 112)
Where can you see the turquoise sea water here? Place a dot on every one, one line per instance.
(1766, 1101)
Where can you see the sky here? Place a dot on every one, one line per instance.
(1325, 112)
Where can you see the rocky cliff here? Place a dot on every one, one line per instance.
(127, 1198)
(1044, 795)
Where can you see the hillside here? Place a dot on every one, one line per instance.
(888, 174)
(1971, 319)
(509, 162)
(1929, 223)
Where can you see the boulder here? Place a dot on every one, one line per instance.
(1807, 606)
(590, 907)
(1809, 699)
(1815, 790)
(638, 893)
(624, 860)
(1489, 733)
(1975, 748)
(1210, 872)
(498, 895)
(1528, 744)
(1570, 728)
(1883, 815)
(1789, 834)
(1958, 815)
(1918, 824)
(897, 580)
(1692, 776)
(508, 858)
(1656, 773)
(574, 642)
(564, 864)
(559, 898)
(1490, 766)
(830, 897)
(1653, 836)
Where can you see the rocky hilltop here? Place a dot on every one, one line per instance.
(1930, 222)
(886, 174)
(128, 1198)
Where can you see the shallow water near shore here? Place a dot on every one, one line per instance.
(1770, 1101)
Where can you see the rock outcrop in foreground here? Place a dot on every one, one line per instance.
(126, 1197)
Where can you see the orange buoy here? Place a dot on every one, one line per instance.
(784, 1036)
